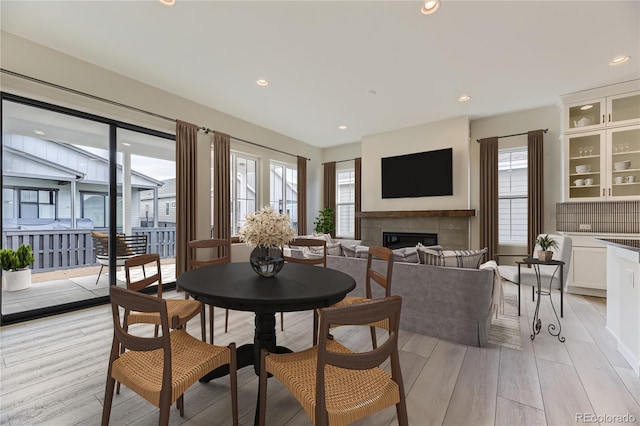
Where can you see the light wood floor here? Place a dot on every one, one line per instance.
(53, 373)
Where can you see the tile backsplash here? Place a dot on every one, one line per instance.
(616, 217)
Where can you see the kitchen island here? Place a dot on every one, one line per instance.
(623, 296)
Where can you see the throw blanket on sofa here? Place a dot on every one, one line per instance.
(498, 296)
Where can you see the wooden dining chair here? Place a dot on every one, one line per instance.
(384, 281)
(160, 369)
(311, 252)
(218, 251)
(333, 384)
(180, 311)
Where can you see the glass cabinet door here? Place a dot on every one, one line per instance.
(624, 109)
(624, 145)
(586, 179)
(584, 115)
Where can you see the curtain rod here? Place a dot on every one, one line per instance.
(206, 131)
(129, 107)
(515, 134)
(338, 161)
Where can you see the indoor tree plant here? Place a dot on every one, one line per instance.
(545, 242)
(324, 221)
(15, 264)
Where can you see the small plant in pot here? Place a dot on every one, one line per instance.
(324, 221)
(15, 264)
(545, 242)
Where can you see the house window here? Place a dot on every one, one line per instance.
(284, 190)
(95, 206)
(512, 196)
(243, 189)
(345, 202)
(37, 203)
(167, 209)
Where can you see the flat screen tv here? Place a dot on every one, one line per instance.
(423, 174)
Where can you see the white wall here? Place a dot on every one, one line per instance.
(452, 133)
(24, 57)
(520, 122)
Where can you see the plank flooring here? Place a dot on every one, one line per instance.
(53, 373)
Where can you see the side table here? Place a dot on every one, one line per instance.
(537, 323)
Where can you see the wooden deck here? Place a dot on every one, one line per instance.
(68, 285)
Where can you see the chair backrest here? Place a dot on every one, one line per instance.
(364, 313)
(137, 265)
(562, 252)
(219, 246)
(314, 245)
(386, 255)
(126, 245)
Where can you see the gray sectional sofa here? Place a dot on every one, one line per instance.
(444, 302)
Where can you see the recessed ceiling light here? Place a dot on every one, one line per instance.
(168, 2)
(430, 6)
(126, 144)
(619, 60)
(262, 82)
(38, 132)
(464, 98)
(586, 107)
(342, 127)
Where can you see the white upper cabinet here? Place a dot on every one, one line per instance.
(623, 109)
(610, 111)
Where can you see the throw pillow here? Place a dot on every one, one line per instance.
(349, 251)
(362, 252)
(455, 258)
(426, 254)
(406, 254)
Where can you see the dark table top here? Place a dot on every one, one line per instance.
(297, 287)
(536, 261)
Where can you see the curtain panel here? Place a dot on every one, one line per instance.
(489, 195)
(535, 185)
(302, 195)
(221, 186)
(330, 189)
(358, 198)
(186, 182)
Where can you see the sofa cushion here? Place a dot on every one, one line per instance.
(406, 254)
(455, 258)
(333, 249)
(362, 252)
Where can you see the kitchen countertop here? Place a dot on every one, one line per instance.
(632, 244)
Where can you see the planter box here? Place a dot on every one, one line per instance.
(16, 280)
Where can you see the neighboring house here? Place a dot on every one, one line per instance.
(166, 195)
(49, 184)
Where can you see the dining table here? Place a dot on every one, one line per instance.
(297, 287)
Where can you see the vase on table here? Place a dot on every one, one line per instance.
(266, 261)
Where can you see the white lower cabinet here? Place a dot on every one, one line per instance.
(588, 268)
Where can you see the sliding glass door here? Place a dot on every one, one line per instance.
(71, 182)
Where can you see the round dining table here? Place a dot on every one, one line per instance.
(236, 286)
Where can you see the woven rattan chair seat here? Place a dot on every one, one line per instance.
(348, 392)
(183, 309)
(191, 359)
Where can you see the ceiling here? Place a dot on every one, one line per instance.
(374, 66)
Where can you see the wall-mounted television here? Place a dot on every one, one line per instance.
(423, 174)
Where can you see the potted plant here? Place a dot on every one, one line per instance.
(545, 242)
(15, 265)
(324, 221)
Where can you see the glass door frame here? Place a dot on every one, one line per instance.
(112, 188)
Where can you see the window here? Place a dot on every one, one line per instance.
(36, 203)
(243, 189)
(345, 202)
(95, 206)
(167, 209)
(512, 196)
(284, 190)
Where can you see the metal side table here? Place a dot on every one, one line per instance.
(537, 323)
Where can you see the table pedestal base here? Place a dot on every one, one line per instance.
(249, 354)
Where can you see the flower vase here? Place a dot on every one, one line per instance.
(266, 261)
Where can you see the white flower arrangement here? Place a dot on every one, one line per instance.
(266, 228)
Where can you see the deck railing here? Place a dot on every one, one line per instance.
(56, 249)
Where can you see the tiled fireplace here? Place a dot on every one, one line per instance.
(452, 227)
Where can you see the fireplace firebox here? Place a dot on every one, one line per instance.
(396, 240)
